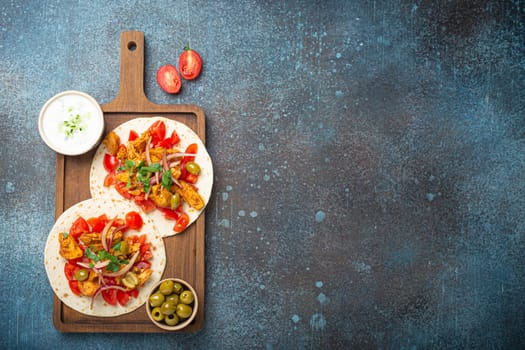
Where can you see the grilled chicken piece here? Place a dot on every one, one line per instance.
(190, 195)
(69, 248)
(112, 141)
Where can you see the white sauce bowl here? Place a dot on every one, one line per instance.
(71, 123)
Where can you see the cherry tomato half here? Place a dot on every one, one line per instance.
(110, 162)
(134, 220)
(190, 64)
(168, 79)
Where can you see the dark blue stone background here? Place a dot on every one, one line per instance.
(369, 166)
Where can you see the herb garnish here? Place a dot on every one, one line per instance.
(73, 124)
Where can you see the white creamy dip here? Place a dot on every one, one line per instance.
(71, 123)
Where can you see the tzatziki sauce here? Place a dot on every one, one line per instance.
(71, 123)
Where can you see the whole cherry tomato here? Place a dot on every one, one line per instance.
(190, 64)
(134, 220)
(169, 80)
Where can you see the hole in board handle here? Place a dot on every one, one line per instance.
(132, 46)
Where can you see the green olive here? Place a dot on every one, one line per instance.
(186, 297)
(81, 274)
(173, 298)
(157, 314)
(167, 308)
(184, 310)
(177, 287)
(131, 280)
(171, 320)
(123, 248)
(193, 168)
(166, 287)
(156, 299)
(175, 201)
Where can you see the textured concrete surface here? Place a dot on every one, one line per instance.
(369, 160)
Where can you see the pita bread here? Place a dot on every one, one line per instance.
(54, 263)
(187, 137)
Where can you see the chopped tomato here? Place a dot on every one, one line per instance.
(78, 227)
(192, 148)
(181, 223)
(168, 79)
(146, 205)
(110, 296)
(191, 178)
(147, 255)
(69, 270)
(157, 131)
(109, 179)
(133, 135)
(169, 213)
(98, 223)
(145, 252)
(175, 139)
(134, 220)
(118, 222)
(169, 142)
(121, 188)
(190, 64)
(122, 297)
(110, 162)
(73, 285)
(134, 293)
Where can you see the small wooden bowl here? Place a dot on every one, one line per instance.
(183, 323)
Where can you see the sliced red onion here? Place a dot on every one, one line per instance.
(101, 264)
(120, 228)
(125, 268)
(182, 154)
(105, 232)
(174, 164)
(83, 264)
(175, 181)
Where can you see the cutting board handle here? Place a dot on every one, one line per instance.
(131, 96)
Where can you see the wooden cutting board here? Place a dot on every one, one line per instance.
(184, 252)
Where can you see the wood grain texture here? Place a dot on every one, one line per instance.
(185, 252)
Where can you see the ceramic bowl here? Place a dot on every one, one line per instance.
(160, 316)
(71, 123)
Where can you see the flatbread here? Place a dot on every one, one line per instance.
(54, 263)
(187, 137)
